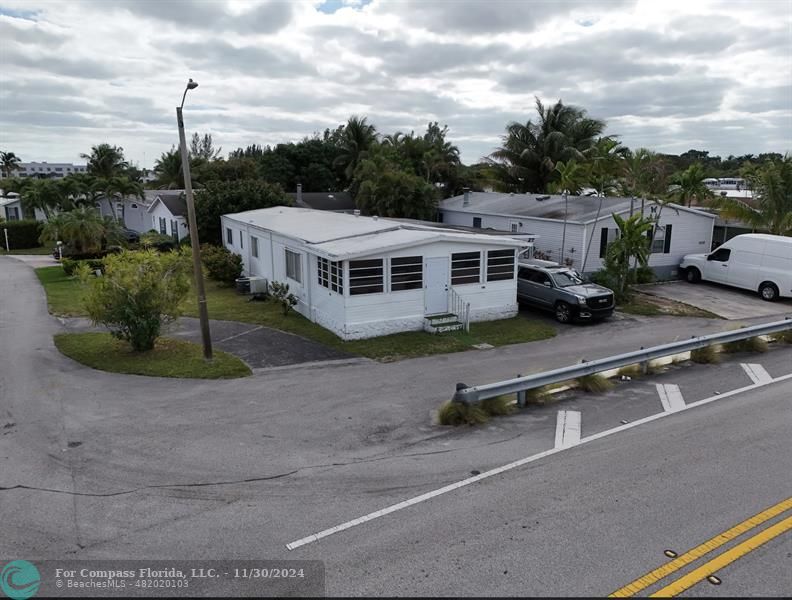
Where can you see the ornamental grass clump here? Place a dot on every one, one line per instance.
(499, 406)
(754, 344)
(456, 413)
(594, 383)
(706, 355)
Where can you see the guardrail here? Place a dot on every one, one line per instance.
(473, 394)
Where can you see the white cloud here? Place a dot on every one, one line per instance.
(667, 75)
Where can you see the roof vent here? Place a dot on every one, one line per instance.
(356, 212)
(466, 197)
(542, 198)
(375, 217)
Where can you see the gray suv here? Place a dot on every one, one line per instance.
(549, 286)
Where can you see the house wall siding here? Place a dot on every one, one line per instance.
(160, 210)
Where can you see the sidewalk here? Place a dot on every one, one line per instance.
(35, 260)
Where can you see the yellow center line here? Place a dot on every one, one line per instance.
(701, 550)
(716, 564)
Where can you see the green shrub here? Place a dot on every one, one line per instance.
(754, 344)
(139, 292)
(222, 265)
(782, 336)
(280, 293)
(594, 383)
(631, 371)
(456, 413)
(22, 234)
(538, 395)
(644, 274)
(499, 406)
(705, 355)
(157, 241)
(71, 266)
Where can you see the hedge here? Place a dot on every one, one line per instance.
(21, 234)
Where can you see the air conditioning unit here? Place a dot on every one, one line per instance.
(259, 285)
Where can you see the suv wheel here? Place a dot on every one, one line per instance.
(768, 291)
(693, 275)
(563, 312)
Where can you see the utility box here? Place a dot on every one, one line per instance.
(258, 285)
(243, 285)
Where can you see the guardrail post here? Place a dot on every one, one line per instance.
(644, 364)
(521, 395)
(459, 397)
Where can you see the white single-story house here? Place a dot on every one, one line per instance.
(168, 214)
(363, 277)
(680, 230)
(11, 208)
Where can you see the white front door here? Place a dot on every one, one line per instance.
(436, 278)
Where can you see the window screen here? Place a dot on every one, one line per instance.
(254, 246)
(406, 273)
(500, 265)
(293, 266)
(465, 267)
(366, 276)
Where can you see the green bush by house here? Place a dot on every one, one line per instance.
(22, 234)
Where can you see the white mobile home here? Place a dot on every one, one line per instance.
(363, 277)
(679, 231)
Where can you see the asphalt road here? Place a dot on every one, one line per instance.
(94, 465)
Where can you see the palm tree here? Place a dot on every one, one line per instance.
(8, 163)
(52, 230)
(772, 186)
(84, 229)
(530, 151)
(120, 188)
(569, 182)
(168, 170)
(689, 186)
(358, 137)
(631, 243)
(45, 195)
(106, 161)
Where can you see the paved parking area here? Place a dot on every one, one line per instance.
(726, 302)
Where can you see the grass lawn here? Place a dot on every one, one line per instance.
(652, 306)
(41, 251)
(65, 298)
(227, 304)
(169, 358)
(64, 293)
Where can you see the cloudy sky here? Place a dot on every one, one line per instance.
(669, 75)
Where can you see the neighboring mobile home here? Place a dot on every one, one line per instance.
(363, 277)
(680, 230)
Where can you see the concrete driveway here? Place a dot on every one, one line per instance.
(727, 302)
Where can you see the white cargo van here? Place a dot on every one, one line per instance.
(754, 261)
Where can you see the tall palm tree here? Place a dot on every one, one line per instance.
(84, 228)
(631, 242)
(358, 137)
(119, 188)
(772, 187)
(530, 151)
(569, 181)
(106, 161)
(8, 163)
(45, 195)
(168, 170)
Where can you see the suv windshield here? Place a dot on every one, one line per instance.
(566, 279)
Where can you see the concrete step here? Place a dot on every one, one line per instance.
(443, 327)
(445, 318)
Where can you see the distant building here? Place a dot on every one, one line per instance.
(45, 170)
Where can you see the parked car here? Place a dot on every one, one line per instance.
(753, 261)
(549, 286)
(130, 235)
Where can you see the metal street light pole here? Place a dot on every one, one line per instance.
(203, 314)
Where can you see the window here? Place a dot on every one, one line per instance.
(514, 226)
(331, 275)
(607, 237)
(476, 221)
(293, 266)
(720, 255)
(229, 236)
(662, 239)
(500, 265)
(254, 246)
(406, 273)
(163, 226)
(465, 267)
(133, 205)
(174, 230)
(566, 279)
(366, 276)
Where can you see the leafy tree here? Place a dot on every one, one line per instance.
(203, 147)
(222, 265)
(82, 230)
(387, 190)
(106, 161)
(232, 169)
(526, 160)
(168, 170)
(138, 293)
(223, 197)
(772, 188)
(9, 162)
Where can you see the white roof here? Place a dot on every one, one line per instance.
(342, 236)
(7, 200)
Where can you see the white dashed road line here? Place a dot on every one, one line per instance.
(517, 463)
(671, 397)
(757, 373)
(567, 429)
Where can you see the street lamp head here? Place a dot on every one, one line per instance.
(191, 85)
